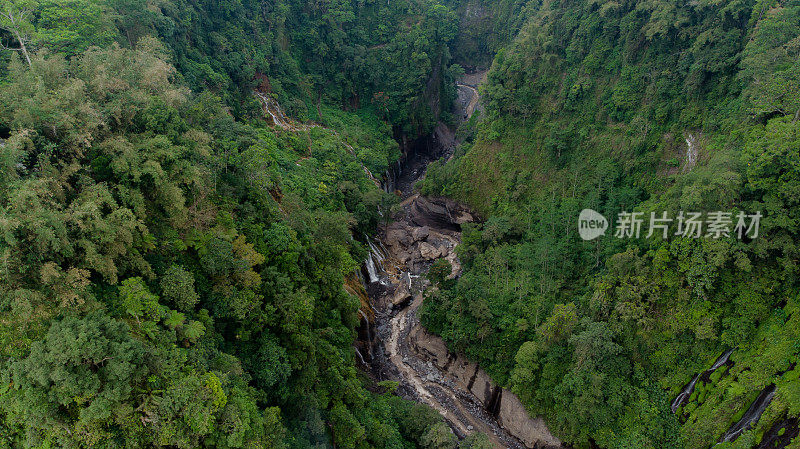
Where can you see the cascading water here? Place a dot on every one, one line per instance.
(372, 270)
(360, 357)
(368, 332)
(687, 390)
(421, 232)
(273, 109)
(375, 260)
(721, 360)
(375, 251)
(751, 416)
(684, 395)
(378, 262)
(691, 153)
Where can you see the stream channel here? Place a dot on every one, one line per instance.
(392, 344)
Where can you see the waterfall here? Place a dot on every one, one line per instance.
(391, 177)
(361, 357)
(382, 247)
(360, 277)
(375, 260)
(371, 270)
(751, 416)
(376, 253)
(369, 332)
(691, 153)
(370, 175)
(687, 390)
(684, 394)
(722, 359)
(272, 108)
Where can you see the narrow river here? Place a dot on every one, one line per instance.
(427, 229)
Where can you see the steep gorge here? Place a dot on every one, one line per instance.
(398, 348)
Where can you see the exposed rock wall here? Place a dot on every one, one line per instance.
(531, 431)
(468, 376)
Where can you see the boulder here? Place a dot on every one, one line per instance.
(425, 212)
(401, 294)
(402, 256)
(428, 251)
(429, 347)
(444, 250)
(420, 233)
(461, 216)
(482, 387)
(397, 236)
(462, 371)
(439, 213)
(455, 263)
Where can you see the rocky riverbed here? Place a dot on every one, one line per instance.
(399, 348)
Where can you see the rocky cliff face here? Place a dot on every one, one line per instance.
(469, 377)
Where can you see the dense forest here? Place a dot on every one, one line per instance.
(593, 105)
(172, 268)
(176, 270)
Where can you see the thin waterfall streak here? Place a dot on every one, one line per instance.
(684, 394)
(371, 270)
(361, 357)
(369, 332)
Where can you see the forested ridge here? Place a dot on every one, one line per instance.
(648, 107)
(173, 265)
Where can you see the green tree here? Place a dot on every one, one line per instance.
(137, 300)
(177, 287)
(74, 384)
(438, 436)
(15, 19)
(476, 440)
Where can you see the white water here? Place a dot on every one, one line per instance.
(377, 260)
(689, 388)
(684, 394)
(751, 416)
(376, 253)
(360, 357)
(371, 269)
(722, 359)
(691, 153)
(274, 110)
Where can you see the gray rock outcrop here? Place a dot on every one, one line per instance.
(510, 412)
